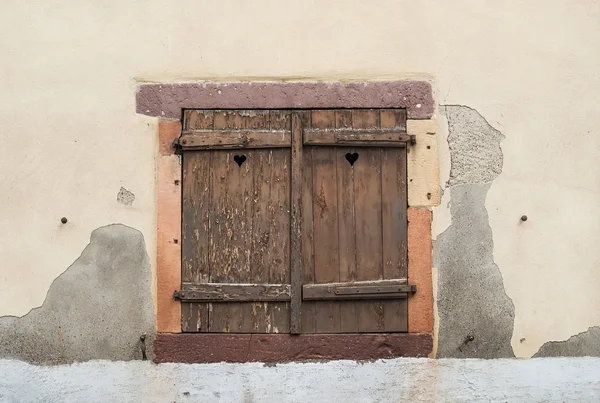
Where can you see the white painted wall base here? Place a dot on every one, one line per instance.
(532, 380)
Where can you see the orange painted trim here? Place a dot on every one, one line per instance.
(420, 260)
(168, 248)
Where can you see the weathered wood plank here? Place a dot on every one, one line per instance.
(367, 181)
(381, 289)
(195, 221)
(308, 254)
(393, 119)
(234, 292)
(198, 119)
(343, 118)
(296, 223)
(195, 217)
(232, 219)
(346, 224)
(325, 223)
(194, 317)
(270, 203)
(362, 138)
(365, 119)
(280, 119)
(225, 139)
(242, 119)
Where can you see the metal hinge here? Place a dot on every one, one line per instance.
(177, 146)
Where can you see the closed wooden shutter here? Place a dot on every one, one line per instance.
(251, 178)
(354, 200)
(236, 221)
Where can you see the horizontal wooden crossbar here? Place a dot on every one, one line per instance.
(357, 137)
(224, 139)
(215, 292)
(381, 289)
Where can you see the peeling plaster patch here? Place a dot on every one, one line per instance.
(586, 344)
(125, 197)
(471, 297)
(476, 317)
(475, 152)
(96, 309)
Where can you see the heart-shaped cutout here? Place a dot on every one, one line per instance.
(352, 157)
(239, 159)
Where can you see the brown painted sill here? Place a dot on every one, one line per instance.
(278, 348)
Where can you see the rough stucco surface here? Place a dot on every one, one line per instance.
(475, 314)
(581, 345)
(398, 380)
(471, 299)
(96, 309)
(69, 76)
(474, 145)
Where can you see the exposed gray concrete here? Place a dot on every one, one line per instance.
(96, 309)
(471, 297)
(586, 344)
(474, 145)
(400, 380)
(125, 197)
(476, 317)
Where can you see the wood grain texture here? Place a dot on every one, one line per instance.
(305, 214)
(298, 118)
(350, 207)
(234, 292)
(308, 250)
(237, 224)
(359, 138)
(238, 139)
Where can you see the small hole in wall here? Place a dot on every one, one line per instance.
(428, 147)
(428, 196)
(176, 182)
(175, 241)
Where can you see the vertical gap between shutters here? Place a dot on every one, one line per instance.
(314, 264)
(381, 212)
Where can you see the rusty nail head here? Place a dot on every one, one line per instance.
(523, 218)
(63, 220)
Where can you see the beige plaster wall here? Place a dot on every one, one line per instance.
(71, 138)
